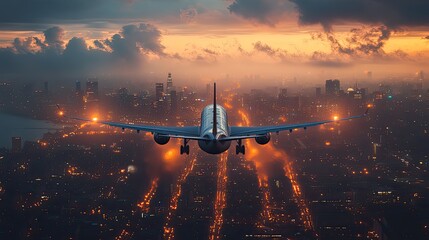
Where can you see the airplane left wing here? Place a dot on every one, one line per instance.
(164, 131)
(254, 132)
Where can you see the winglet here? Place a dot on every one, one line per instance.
(366, 112)
(60, 112)
(214, 111)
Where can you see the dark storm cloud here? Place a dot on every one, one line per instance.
(53, 56)
(37, 14)
(19, 11)
(391, 13)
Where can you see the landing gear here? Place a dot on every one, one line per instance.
(240, 148)
(185, 147)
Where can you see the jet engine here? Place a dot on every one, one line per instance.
(262, 140)
(161, 140)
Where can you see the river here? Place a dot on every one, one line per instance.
(27, 129)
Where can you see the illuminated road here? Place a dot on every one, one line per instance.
(220, 201)
(144, 205)
(177, 191)
(254, 155)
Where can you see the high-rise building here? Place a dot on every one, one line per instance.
(318, 92)
(92, 89)
(332, 87)
(78, 87)
(283, 93)
(16, 144)
(173, 97)
(169, 83)
(159, 91)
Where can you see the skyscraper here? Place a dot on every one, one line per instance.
(16, 144)
(173, 97)
(332, 87)
(78, 87)
(318, 92)
(159, 91)
(169, 83)
(92, 89)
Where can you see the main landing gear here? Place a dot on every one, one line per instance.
(240, 148)
(185, 147)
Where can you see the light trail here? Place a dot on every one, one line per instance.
(220, 201)
(302, 204)
(305, 215)
(168, 225)
(144, 205)
(253, 155)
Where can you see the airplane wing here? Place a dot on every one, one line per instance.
(164, 131)
(254, 132)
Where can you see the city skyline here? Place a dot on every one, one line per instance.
(214, 119)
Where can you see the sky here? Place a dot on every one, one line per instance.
(207, 40)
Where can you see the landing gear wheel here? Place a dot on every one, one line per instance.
(240, 148)
(184, 148)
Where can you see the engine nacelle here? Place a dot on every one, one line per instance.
(263, 139)
(161, 140)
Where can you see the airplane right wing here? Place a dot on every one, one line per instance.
(254, 132)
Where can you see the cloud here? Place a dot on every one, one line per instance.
(133, 40)
(34, 14)
(263, 11)
(53, 56)
(274, 53)
(364, 41)
(393, 14)
(188, 15)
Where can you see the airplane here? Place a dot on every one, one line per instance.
(214, 135)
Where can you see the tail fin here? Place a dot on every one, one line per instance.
(214, 111)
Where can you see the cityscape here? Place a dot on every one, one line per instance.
(351, 180)
(214, 119)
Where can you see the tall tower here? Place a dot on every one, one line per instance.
(169, 83)
(92, 89)
(159, 91)
(78, 87)
(332, 87)
(16, 144)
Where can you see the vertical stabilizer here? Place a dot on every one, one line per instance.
(214, 111)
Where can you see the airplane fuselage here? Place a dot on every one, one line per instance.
(212, 145)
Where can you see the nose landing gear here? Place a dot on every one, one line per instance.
(240, 148)
(185, 147)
